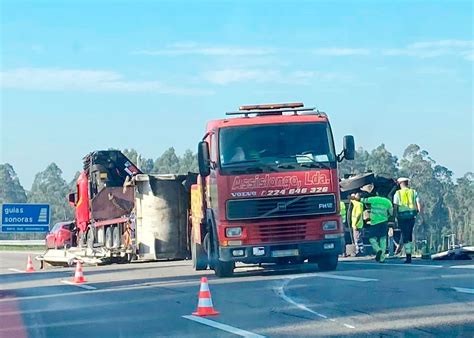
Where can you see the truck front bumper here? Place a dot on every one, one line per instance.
(271, 253)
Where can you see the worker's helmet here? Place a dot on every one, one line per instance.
(403, 179)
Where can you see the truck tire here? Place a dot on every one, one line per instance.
(116, 241)
(109, 237)
(224, 269)
(357, 182)
(198, 255)
(328, 263)
(90, 238)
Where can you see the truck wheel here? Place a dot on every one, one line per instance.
(116, 236)
(328, 263)
(224, 269)
(108, 237)
(357, 181)
(90, 238)
(198, 254)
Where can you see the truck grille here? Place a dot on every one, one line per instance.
(279, 232)
(274, 207)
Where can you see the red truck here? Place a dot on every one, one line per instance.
(268, 190)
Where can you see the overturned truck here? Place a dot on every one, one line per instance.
(122, 214)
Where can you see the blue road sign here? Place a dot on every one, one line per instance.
(22, 217)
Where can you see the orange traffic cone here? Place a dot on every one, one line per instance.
(79, 276)
(205, 307)
(29, 265)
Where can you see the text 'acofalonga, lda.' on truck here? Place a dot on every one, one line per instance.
(122, 214)
(268, 190)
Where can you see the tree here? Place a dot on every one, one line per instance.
(49, 187)
(131, 154)
(11, 191)
(382, 162)
(72, 184)
(357, 166)
(188, 162)
(144, 164)
(167, 163)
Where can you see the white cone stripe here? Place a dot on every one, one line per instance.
(205, 302)
(204, 287)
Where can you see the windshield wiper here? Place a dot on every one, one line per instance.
(254, 165)
(312, 164)
(235, 163)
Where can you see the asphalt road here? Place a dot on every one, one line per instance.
(150, 299)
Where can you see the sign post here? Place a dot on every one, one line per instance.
(23, 217)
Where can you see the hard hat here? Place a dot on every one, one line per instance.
(403, 179)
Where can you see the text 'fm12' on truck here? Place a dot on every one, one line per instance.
(268, 190)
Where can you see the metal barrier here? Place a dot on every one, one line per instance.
(24, 242)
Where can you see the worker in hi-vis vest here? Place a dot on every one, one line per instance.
(407, 206)
(357, 222)
(381, 210)
(343, 212)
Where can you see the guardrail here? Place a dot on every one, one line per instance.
(25, 242)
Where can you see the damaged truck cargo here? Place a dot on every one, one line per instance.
(122, 214)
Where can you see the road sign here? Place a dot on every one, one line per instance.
(22, 217)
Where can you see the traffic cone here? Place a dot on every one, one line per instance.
(29, 265)
(205, 307)
(79, 276)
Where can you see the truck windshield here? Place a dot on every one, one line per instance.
(271, 147)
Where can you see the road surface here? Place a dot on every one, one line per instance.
(157, 299)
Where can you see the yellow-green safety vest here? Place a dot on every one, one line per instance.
(343, 211)
(407, 199)
(357, 210)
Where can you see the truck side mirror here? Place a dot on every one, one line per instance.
(72, 199)
(204, 159)
(349, 147)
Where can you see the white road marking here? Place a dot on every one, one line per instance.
(281, 292)
(350, 278)
(464, 290)
(393, 264)
(84, 286)
(223, 327)
(113, 289)
(16, 270)
(462, 267)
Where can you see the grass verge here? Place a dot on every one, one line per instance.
(21, 247)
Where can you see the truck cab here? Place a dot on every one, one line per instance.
(268, 190)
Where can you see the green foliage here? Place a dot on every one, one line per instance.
(11, 190)
(170, 163)
(49, 187)
(382, 162)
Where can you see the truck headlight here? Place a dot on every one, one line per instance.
(330, 225)
(233, 232)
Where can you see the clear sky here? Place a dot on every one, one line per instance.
(83, 75)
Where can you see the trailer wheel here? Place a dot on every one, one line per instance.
(116, 236)
(224, 269)
(328, 263)
(198, 255)
(108, 237)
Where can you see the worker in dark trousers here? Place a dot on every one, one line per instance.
(381, 210)
(407, 206)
